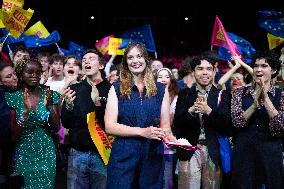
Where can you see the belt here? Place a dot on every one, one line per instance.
(202, 142)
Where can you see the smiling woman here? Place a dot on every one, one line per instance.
(137, 112)
(37, 115)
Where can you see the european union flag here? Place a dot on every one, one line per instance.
(141, 34)
(66, 52)
(244, 47)
(273, 22)
(76, 49)
(271, 14)
(10, 39)
(35, 41)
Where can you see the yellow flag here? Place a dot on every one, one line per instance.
(274, 41)
(8, 5)
(114, 44)
(1, 24)
(16, 20)
(38, 29)
(102, 141)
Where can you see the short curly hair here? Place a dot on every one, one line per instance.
(271, 58)
(195, 61)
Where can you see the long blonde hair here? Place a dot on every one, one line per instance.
(126, 77)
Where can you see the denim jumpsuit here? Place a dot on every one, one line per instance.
(137, 162)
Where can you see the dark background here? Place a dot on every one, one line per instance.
(172, 34)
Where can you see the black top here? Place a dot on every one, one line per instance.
(4, 116)
(76, 120)
(188, 125)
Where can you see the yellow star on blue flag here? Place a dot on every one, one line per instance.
(141, 34)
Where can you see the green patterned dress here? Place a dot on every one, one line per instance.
(35, 157)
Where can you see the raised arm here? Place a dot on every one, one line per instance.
(109, 64)
(237, 59)
(227, 75)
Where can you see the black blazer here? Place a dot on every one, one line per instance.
(188, 126)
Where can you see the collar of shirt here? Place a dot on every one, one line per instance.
(202, 91)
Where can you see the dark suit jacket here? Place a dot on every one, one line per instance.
(188, 126)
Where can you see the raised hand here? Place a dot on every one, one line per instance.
(27, 102)
(95, 93)
(48, 100)
(69, 96)
(201, 105)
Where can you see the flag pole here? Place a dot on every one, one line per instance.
(57, 46)
(10, 52)
(59, 50)
(5, 38)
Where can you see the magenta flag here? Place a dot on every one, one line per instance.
(102, 44)
(221, 38)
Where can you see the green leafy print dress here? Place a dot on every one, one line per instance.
(35, 157)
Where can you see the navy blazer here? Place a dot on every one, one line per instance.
(188, 126)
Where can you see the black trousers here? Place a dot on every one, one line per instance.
(256, 162)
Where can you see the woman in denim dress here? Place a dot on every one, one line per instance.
(138, 113)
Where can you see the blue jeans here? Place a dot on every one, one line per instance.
(85, 170)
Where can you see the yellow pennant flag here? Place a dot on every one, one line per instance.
(16, 20)
(102, 141)
(274, 41)
(114, 44)
(8, 5)
(1, 24)
(38, 29)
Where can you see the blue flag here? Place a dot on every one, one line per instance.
(35, 41)
(76, 49)
(66, 52)
(271, 14)
(141, 34)
(273, 22)
(244, 47)
(10, 39)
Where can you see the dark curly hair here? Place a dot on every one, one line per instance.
(271, 58)
(195, 61)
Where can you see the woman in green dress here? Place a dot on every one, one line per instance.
(38, 117)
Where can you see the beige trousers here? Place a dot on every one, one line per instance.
(199, 172)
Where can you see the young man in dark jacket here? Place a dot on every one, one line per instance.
(201, 113)
(86, 168)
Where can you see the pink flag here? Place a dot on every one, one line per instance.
(102, 44)
(221, 38)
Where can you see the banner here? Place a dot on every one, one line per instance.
(102, 44)
(244, 47)
(102, 141)
(8, 5)
(16, 20)
(38, 29)
(221, 38)
(141, 34)
(32, 41)
(114, 46)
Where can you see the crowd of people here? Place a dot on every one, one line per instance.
(232, 112)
